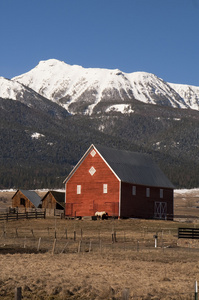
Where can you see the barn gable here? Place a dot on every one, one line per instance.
(92, 147)
(26, 198)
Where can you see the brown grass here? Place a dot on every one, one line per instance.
(131, 263)
(96, 268)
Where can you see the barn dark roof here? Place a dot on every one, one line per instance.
(32, 196)
(59, 196)
(133, 167)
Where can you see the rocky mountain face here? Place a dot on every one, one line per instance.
(88, 91)
(52, 114)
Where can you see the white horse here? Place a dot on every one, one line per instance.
(101, 214)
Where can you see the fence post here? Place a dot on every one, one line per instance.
(196, 290)
(112, 238)
(90, 247)
(54, 244)
(125, 294)
(138, 246)
(115, 239)
(18, 293)
(32, 232)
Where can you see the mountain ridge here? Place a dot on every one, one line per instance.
(81, 90)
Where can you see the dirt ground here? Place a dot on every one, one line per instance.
(90, 265)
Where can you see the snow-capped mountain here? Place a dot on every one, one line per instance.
(10, 89)
(188, 92)
(88, 90)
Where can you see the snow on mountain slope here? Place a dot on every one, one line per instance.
(88, 90)
(14, 90)
(11, 89)
(188, 92)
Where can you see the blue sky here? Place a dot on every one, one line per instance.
(156, 36)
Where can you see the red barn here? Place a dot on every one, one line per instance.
(122, 183)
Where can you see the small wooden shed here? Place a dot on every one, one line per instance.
(26, 199)
(53, 200)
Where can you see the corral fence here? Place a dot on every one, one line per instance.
(25, 215)
(188, 233)
(17, 213)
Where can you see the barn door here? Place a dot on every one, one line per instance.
(160, 210)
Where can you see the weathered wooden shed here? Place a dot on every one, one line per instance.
(26, 199)
(53, 200)
(122, 183)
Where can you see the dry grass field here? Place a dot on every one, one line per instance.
(84, 261)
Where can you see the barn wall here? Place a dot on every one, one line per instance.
(16, 201)
(92, 198)
(140, 206)
(49, 202)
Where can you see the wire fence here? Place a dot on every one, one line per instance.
(77, 240)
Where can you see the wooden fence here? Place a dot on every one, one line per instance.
(21, 216)
(188, 233)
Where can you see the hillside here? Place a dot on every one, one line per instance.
(38, 150)
(50, 115)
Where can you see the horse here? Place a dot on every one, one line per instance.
(101, 215)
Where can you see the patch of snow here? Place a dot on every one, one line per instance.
(101, 127)
(8, 190)
(182, 191)
(122, 108)
(37, 135)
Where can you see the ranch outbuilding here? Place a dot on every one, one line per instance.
(124, 184)
(53, 200)
(26, 199)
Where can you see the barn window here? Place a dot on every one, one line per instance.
(105, 188)
(78, 189)
(148, 192)
(92, 171)
(22, 201)
(133, 190)
(161, 193)
(93, 153)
